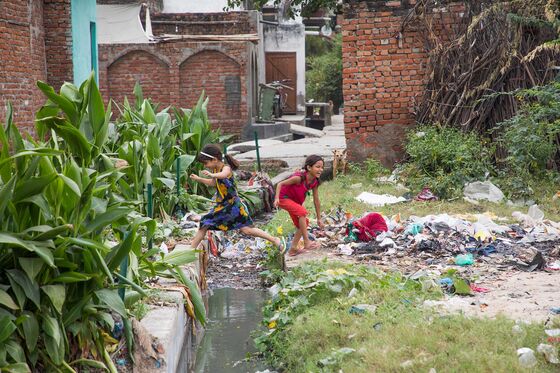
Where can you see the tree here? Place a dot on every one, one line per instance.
(292, 7)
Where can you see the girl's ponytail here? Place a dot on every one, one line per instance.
(232, 162)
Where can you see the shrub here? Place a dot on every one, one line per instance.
(530, 140)
(444, 159)
(324, 77)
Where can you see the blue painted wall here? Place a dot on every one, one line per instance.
(84, 54)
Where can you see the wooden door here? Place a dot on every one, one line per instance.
(279, 66)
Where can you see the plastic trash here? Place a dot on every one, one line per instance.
(360, 309)
(550, 353)
(483, 191)
(379, 199)
(414, 229)
(352, 293)
(163, 248)
(345, 249)
(426, 195)
(555, 310)
(527, 357)
(464, 259)
(517, 329)
(552, 332)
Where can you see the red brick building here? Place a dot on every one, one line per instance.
(192, 52)
(384, 71)
(35, 44)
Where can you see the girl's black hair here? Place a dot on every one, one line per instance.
(311, 160)
(215, 152)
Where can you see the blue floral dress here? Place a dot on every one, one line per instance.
(229, 212)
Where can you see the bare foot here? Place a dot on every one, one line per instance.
(294, 252)
(312, 245)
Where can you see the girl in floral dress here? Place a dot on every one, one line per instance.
(229, 213)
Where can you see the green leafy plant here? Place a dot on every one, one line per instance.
(530, 140)
(324, 76)
(444, 159)
(65, 232)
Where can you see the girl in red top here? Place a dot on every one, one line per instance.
(290, 196)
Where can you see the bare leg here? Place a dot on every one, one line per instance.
(198, 237)
(256, 232)
(307, 244)
(295, 240)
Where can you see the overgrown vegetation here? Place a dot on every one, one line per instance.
(324, 75)
(72, 247)
(444, 159)
(314, 323)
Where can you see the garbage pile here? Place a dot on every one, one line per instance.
(531, 244)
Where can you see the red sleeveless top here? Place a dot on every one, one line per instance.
(297, 192)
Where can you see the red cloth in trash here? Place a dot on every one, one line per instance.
(369, 226)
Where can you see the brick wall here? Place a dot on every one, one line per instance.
(58, 42)
(22, 54)
(175, 73)
(384, 72)
(229, 23)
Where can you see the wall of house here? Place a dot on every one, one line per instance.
(22, 51)
(289, 37)
(384, 72)
(83, 14)
(182, 6)
(58, 41)
(177, 72)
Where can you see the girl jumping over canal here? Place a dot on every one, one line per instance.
(290, 196)
(229, 213)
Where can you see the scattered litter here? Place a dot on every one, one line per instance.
(550, 353)
(345, 249)
(464, 259)
(360, 309)
(552, 332)
(379, 199)
(478, 289)
(407, 364)
(483, 191)
(163, 248)
(555, 310)
(352, 293)
(426, 195)
(517, 329)
(554, 266)
(377, 326)
(527, 357)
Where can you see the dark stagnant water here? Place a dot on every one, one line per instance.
(233, 314)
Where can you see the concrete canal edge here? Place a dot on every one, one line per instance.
(166, 339)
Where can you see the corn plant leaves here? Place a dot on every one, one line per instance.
(32, 186)
(112, 300)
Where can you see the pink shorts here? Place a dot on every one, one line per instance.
(295, 210)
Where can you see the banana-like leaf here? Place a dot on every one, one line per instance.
(57, 295)
(112, 214)
(30, 330)
(111, 299)
(6, 300)
(7, 327)
(31, 266)
(180, 257)
(64, 103)
(30, 288)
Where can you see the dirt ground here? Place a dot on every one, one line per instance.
(525, 296)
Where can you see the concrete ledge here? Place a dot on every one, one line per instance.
(306, 131)
(164, 337)
(247, 146)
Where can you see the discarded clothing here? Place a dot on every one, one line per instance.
(368, 227)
